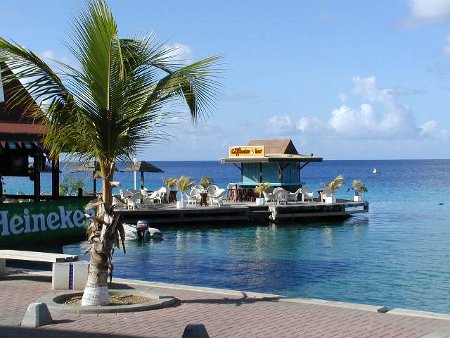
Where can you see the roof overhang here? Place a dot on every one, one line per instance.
(21, 131)
(273, 158)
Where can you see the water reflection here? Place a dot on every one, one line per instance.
(339, 260)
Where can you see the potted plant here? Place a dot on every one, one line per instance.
(259, 189)
(171, 189)
(358, 188)
(330, 189)
(184, 183)
(205, 182)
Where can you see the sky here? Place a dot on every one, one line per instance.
(343, 79)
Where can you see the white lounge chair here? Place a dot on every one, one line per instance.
(211, 190)
(269, 197)
(217, 197)
(293, 196)
(118, 202)
(277, 189)
(307, 195)
(134, 201)
(281, 196)
(193, 197)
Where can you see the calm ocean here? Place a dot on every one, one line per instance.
(396, 255)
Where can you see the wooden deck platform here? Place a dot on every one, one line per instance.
(237, 212)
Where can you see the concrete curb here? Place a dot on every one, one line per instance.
(157, 302)
(355, 306)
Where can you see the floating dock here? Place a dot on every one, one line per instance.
(240, 212)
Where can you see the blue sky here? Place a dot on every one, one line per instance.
(343, 79)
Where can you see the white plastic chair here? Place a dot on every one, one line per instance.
(307, 195)
(217, 197)
(293, 196)
(134, 201)
(281, 196)
(119, 203)
(193, 197)
(211, 190)
(269, 197)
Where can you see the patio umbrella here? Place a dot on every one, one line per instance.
(47, 169)
(142, 166)
(91, 166)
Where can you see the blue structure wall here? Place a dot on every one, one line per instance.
(249, 172)
(270, 173)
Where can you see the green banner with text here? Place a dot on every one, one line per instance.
(30, 222)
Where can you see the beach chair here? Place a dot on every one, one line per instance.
(118, 202)
(158, 196)
(293, 196)
(134, 201)
(269, 197)
(211, 190)
(307, 195)
(281, 196)
(277, 189)
(193, 197)
(147, 202)
(217, 197)
(147, 199)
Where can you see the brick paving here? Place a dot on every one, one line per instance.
(225, 314)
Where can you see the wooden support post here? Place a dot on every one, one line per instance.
(55, 178)
(2, 267)
(94, 183)
(37, 177)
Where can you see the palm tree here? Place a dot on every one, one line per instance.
(108, 108)
(334, 184)
(184, 183)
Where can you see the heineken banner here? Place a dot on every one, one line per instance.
(42, 221)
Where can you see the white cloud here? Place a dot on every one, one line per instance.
(48, 54)
(373, 122)
(429, 128)
(378, 116)
(368, 89)
(181, 53)
(307, 125)
(351, 122)
(52, 59)
(430, 10)
(446, 48)
(281, 125)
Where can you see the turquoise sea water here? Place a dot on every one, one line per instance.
(396, 255)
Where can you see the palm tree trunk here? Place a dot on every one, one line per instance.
(102, 241)
(96, 290)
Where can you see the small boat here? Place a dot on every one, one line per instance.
(374, 171)
(141, 231)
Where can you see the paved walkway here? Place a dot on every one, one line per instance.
(224, 313)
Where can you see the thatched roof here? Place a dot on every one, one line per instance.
(284, 146)
(143, 166)
(275, 151)
(16, 121)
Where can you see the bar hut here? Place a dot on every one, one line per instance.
(20, 137)
(35, 218)
(274, 161)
